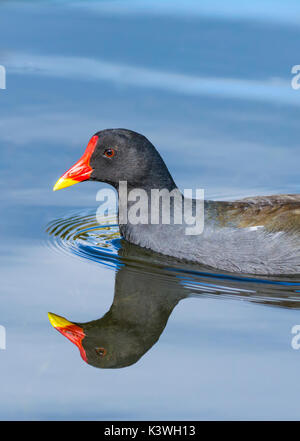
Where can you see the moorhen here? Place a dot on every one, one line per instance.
(257, 235)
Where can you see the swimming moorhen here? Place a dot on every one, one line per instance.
(258, 235)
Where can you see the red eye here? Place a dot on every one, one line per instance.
(101, 352)
(109, 153)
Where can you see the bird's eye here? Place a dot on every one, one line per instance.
(101, 352)
(109, 153)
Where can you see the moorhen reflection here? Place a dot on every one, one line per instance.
(147, 289)
(142, 304)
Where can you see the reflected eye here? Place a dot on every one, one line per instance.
(109, 153)
(101, 352)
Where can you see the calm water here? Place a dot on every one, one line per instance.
(210, 87)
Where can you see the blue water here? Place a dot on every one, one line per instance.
(209, 85)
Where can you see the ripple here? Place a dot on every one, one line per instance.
(84, 236)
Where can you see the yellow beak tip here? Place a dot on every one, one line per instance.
(57, 321)
(63, 183)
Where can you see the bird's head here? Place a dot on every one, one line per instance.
(102, 343)
(115, 155)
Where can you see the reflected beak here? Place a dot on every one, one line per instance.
(73, 332)
(81, 171)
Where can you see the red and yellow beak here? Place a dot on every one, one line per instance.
(73, 332)
(81, 171)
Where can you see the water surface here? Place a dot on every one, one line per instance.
(210, 87)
